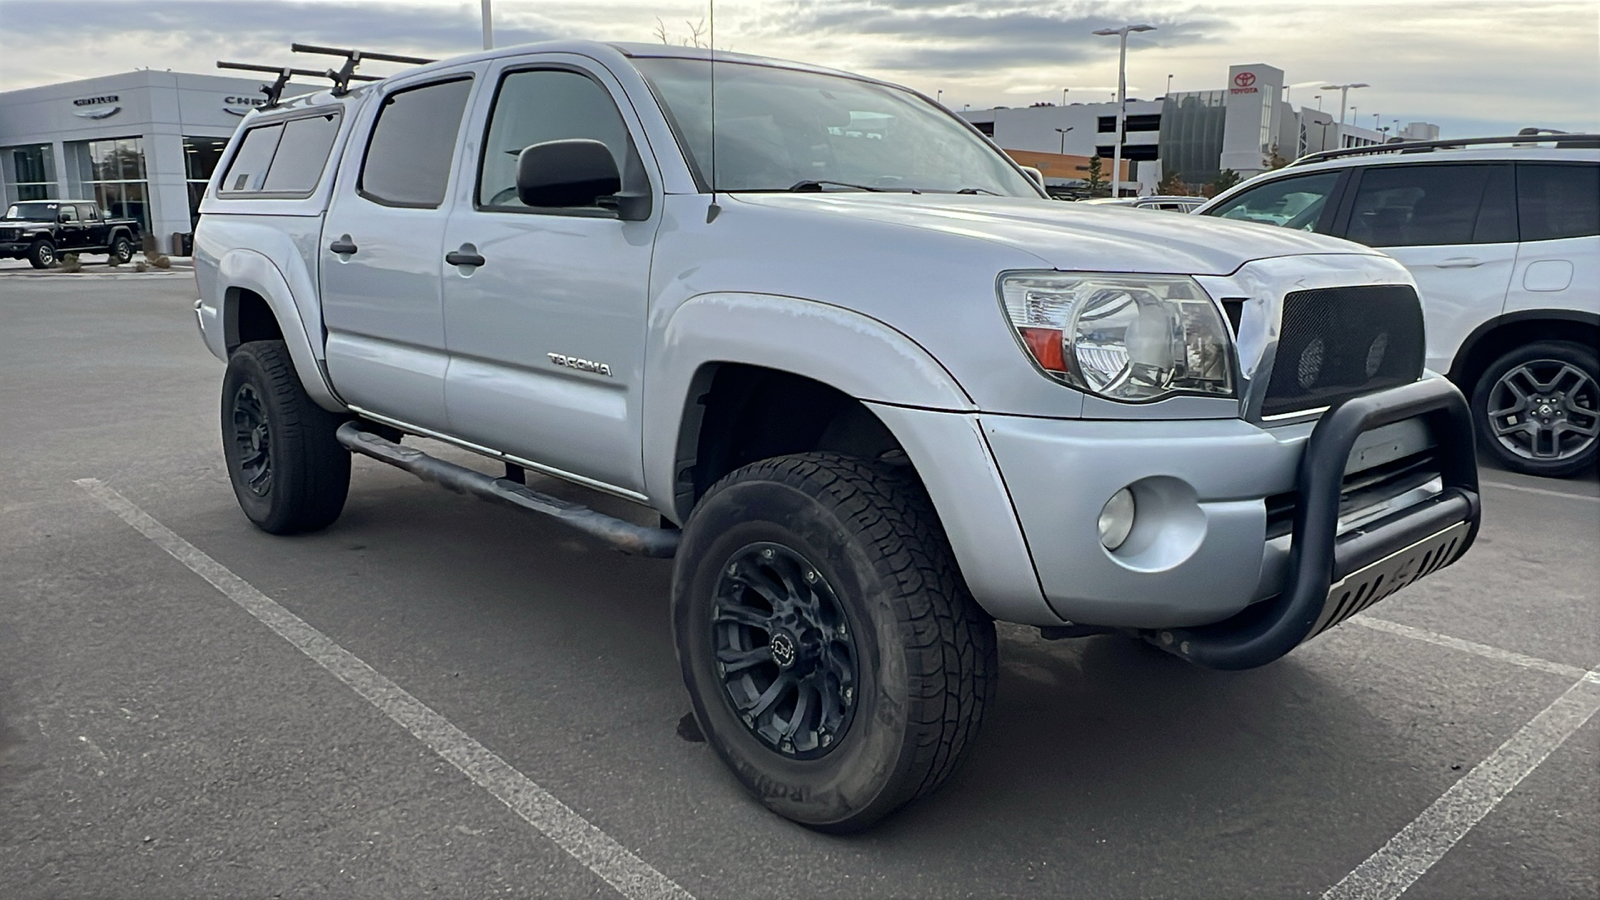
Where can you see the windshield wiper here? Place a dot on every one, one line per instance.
(811, 184)
(978, 191)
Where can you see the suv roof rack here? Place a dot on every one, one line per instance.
(1529, 136)
(341, 77)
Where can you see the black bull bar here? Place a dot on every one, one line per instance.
(1331, 577)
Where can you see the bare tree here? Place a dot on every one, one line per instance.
(661, 31)
(696, 29)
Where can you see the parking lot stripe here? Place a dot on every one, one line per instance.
(1484, 650)
(631, 876)
(1541, 491)
(1387, 874)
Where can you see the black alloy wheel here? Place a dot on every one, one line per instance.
(252, 440)
(1538, 409)
(784, 650)
(122, 250)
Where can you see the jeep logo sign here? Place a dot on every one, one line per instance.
(238, 106)
(97, 107)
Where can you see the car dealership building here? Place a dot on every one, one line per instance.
(140, 143)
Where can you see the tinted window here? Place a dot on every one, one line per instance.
(248, 171)
(1558, 201)
(408, 157)
(1418, 206)
(88, 213)
(1289, 202)
(68, 214)
(534, 107)
(297, 166)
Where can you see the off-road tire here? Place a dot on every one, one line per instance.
(307, 472)
(42, 254)
(924, 649)
(120, 252)
(1578, 406)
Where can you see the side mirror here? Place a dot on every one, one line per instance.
(62, 218)
(576, 173)
(1035, 174)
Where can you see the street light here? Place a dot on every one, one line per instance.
(1344, 93)
(488, 27)
(1169, 85)
(1122, 98)
(939, 97)
(1063, 133)
(1064, 96)
(1318, 98)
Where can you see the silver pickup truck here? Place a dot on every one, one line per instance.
(871, 389)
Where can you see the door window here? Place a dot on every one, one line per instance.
(1423, 206)
(88, 213)
(69, 214)
(409, 153)
(545, 105)
(1558, 201)
(1290, 202)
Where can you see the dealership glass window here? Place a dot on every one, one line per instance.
(113, 173)
(32, 171)
(200, 158)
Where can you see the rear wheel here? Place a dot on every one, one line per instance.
(121, 250)
(288, 471)
(1537, 409)
(42, 254)
(834, 657)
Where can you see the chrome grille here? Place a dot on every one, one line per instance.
(1338, 343)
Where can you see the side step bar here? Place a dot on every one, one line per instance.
(640, 540)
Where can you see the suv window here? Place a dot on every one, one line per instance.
(67, 213)
(545, 105)
(1429, 205)
(248, 170)
(1558, 201)
(412, 143)
(1290, 202)
(297, 166)
(88, 212)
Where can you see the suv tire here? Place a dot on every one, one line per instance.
(42, 254)
(834, 574)
(121, 250)
(288, 471)
(1538, 409)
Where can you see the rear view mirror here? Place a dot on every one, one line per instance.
(575, 173)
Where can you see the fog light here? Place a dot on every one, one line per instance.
(1116, 519)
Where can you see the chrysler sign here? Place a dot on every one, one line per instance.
(238, 106)
(97, 107)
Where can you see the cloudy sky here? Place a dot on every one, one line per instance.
(1473, 67)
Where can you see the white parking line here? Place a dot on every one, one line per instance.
(1541, 491)
(1387, 874)
(628, 874)
(1484, 650)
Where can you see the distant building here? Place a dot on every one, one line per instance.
(1248, 127)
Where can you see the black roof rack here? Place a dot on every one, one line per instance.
(1530, 136)
(341, 77)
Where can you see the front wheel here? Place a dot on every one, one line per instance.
(121, 251)
(834, 657)
(1538, 409)
(42, 254)
(288, 470)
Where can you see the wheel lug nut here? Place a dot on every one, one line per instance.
(849, 695)
(811, 578)
(766, 554)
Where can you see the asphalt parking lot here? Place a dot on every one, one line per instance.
(440, 697)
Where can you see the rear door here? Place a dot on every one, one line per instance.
(546, 336)
(1453, 225)
(1558, 261)
(380, 256)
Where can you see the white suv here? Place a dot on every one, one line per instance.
(1503, 238)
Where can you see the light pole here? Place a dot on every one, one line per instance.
(1063, 133)
(488, 27)
(1064, 96)
(1318, 98)
(1169, 85)
(1344, 94)
(1122, 98)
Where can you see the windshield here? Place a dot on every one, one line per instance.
(782, 129)
(44, 212)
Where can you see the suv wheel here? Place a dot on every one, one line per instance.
(288, 471)
(42, 255)
(835, 660)
(121, 250)
(1538, 409)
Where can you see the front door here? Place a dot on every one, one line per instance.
(546, 335)
(381, 256)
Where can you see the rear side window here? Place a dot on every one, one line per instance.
(1558, 201)
(303, 151)
(409, 153)
(1419, 206)
(248, 171)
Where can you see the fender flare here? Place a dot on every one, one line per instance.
(248, 270)
(861, 357)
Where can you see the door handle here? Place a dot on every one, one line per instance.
(1459, 262)
(343, 245)
(466, 256)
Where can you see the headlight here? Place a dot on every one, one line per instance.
(1125, 337)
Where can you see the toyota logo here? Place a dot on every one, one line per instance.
(1244, 79)
(783, 650)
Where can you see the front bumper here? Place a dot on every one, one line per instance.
(1201, 569)
(13, 249)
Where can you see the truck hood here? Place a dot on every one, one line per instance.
(1063, 234)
